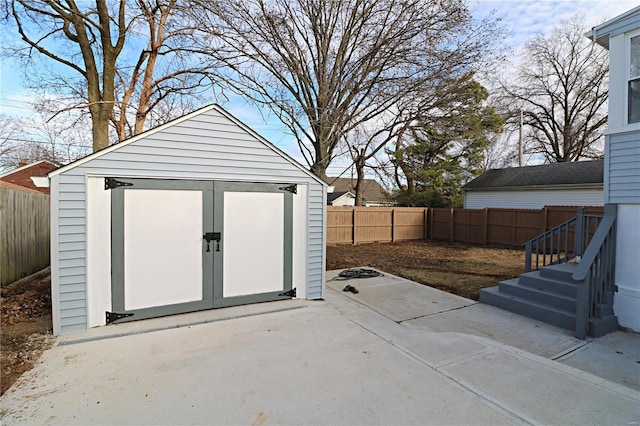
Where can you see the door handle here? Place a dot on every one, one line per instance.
(213, 236)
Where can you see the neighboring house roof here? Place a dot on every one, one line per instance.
(10, 185)
(577, 174)
(149, 132)
(372, 190)
(615, 26)
(22, 175)
(331, 197)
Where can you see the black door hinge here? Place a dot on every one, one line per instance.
(291, 188)
(111, 183)
(114, 316)
(290, 293)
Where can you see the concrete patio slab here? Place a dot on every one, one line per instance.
(605, 356)
(304, 366)
(614, 357)
(567, 397)
(337, 361)
(504, 327)
(397, 298)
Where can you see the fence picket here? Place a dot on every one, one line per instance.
(24, 233)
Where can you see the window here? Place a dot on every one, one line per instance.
(634, 80)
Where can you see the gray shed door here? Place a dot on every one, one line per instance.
(181, 246)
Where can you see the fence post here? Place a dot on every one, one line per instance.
(353, 226)
(451, 225)
(579, 233)
(393, 225)
(544, 220)
(425, 229)
(485, 226)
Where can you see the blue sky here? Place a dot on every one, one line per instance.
(522, 19)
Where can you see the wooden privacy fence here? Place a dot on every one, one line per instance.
(504, 227)
(24, 233)
(371, 224)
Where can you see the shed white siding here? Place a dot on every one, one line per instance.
(207, 145)
(533, 199)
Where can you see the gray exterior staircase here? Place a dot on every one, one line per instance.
(549, 295)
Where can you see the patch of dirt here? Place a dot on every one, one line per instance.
(25, 318)
(456, 268)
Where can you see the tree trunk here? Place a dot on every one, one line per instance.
(321, 161)
(359, 165)
(100, 117)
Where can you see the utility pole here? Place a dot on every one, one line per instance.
(521, 141)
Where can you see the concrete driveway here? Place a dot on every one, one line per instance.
(338, 361)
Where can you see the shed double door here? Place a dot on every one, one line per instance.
(182, 246)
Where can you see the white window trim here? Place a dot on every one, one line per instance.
(627, 75)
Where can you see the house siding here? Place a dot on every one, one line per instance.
(533, 199)
(623, 171)
(207, 146)
(622, 168)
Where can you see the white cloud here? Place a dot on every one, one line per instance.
(525, 18)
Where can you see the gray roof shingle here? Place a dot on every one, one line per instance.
(372, 191)
(556, 174)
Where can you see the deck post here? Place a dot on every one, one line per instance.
(578, 248)
(582, 307)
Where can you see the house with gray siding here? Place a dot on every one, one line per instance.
(621, 36)
(196, 214)
(534, 187)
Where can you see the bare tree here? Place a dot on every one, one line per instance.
(324, 67)
(33, 139)
(365, 143)
(9, 133)
(125, 57)
(561, 88)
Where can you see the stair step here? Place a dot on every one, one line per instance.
(536, 281)
(539, 311)
(559, 272)
(533, 294)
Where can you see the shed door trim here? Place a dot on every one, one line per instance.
(118, 246)
(286, 247)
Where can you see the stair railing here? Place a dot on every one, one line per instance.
(596, 272)
(557, 245)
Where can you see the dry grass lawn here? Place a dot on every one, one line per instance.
(456, 268)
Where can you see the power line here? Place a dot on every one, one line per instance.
(45, 142)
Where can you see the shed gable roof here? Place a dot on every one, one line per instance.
(191, 116)
(583, 173)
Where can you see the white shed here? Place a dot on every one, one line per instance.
(534, 187)
(196, 214)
